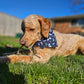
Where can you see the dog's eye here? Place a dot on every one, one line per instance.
(32, 29)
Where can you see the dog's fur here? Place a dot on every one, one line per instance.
(34, 27)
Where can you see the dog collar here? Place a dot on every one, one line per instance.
(47, 42)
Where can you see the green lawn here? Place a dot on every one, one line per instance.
(59, 70)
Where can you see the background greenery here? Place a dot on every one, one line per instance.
(59, 70)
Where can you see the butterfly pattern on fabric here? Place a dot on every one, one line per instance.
(47, 42)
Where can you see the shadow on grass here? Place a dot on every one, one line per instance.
(4, 51)
(7, 77)
(7, 49)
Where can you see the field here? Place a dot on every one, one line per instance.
(59, 70)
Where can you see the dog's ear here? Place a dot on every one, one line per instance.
(45, 26)
(22, 26)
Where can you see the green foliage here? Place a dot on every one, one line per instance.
(19, 35)
(59, 70)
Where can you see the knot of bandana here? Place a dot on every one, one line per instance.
(47, 42)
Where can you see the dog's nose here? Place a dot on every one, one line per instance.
(22, 42)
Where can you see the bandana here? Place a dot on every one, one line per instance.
(47, 42)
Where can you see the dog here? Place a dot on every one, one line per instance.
(35, 28)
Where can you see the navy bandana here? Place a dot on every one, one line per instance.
(47, 42)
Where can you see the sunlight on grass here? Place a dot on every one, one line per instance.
(59, 70)
(9, 40)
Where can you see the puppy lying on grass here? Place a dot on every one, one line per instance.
(36, 29)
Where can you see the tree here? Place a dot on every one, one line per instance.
(77, 5)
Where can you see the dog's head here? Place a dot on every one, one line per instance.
(34, 27)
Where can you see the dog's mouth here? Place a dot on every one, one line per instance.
(30, 46)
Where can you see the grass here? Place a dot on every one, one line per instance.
(59, 70)
(14, 42)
